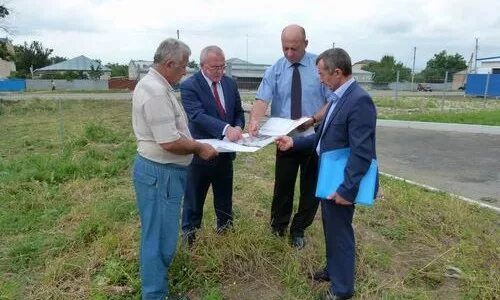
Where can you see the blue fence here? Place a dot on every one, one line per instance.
(12, 85)
(477, 83)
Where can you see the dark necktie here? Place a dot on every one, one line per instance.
(220, 108)
(296, 95)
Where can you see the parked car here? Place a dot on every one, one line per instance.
(424, 88)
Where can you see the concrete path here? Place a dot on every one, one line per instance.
(459, 159)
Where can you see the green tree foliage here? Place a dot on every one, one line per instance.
(5, 54)
(4, 11)
(386, 70)
(57, 59)
(436, 68)
(95, 73)
(34, 55)
(193, 64)
(118, 70)
(69, 75)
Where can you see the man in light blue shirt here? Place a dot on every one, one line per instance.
(293, 88)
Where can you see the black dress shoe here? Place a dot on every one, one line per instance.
(298, 242)
(330, 296)
(224, 228)
(321, 275)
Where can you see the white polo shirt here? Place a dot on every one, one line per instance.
(158, 117)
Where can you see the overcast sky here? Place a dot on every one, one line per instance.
(121, 30)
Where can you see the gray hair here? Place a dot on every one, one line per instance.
(336, 58)
(209, 49)
(171, 49)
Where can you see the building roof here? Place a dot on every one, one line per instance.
(240, 62)
(79, 63)
(364, 62)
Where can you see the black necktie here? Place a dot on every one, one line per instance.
(296, 95)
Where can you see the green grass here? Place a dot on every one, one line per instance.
(485, 117)
(70, 228)
(465, 110)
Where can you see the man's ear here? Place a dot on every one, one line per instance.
(306, 42)
(170, 63)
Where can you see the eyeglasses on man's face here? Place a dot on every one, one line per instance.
(217, 68)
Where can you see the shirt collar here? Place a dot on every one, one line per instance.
(160, 77)
(341, 90)
(303, 62)
(209, 81)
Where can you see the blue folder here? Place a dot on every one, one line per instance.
(331, 175)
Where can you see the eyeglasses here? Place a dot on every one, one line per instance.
(217, 68)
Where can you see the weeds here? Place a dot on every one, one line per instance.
(70, 228)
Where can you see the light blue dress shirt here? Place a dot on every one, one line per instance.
(277, 84)
(334, 98)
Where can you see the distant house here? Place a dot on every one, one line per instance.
(7, 64)
(78, 64)
(358, 66)
(247, 75)
(363, 77)
(138, 68)
(489, 65)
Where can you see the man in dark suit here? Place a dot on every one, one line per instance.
(213, 106)
(350, 122)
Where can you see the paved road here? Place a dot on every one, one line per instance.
(464, 163)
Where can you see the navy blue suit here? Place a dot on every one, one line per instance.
(205, 122)
(351, 124)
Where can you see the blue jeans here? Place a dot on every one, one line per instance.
(159, 189)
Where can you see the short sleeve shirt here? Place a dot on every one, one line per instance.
(276, 86)
(158, 117)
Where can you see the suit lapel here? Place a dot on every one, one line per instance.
(340, 104)
(228, 103)
(208, 91)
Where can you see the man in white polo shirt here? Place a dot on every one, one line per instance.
(165, 149)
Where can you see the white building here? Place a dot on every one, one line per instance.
(489, 65)
(138, 68)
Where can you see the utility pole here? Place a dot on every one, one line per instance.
(333, 45)
(177, 33)
(475, 62)
(413, 68)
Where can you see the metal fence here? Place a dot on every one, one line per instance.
(486, 85)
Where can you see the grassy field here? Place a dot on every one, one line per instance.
(465, 110)
(70, 228)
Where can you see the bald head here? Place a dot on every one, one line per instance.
(293, 42)
(293, 31)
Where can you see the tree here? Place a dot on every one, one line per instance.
(31, 56)
(118, 70)
(95, 73)
(386, 70)
(57, 59)
(193, 64)
(4, 13)
(5, 54)
(436, 68)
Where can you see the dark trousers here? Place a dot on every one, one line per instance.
(340, 246)
(199, 178)
(287, 166)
